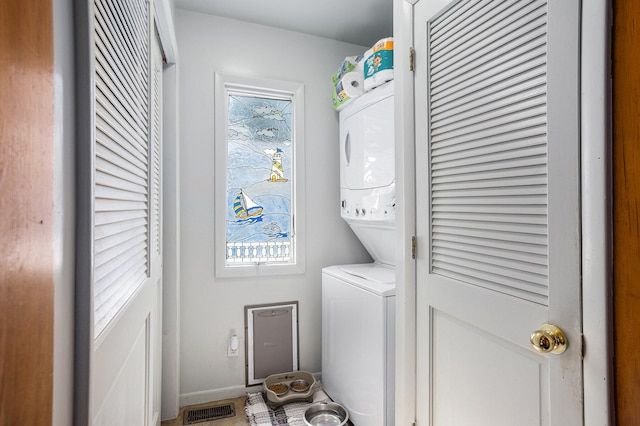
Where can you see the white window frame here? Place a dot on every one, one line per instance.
(252, 85)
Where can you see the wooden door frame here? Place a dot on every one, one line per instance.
(626, 196)
(26, 212)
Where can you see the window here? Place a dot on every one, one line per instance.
(258, 177)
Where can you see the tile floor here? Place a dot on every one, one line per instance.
(240, 418)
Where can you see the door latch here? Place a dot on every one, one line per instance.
(411, 58)
(413, 247)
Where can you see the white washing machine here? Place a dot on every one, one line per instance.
(358, 308)
(358, 341)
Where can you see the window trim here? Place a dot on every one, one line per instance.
(223, 84)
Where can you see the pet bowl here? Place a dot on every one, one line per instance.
(325, 414)
(290, 391)
(299, 385)
(278, 388)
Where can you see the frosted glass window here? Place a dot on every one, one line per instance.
(259, 188)
(259, 180)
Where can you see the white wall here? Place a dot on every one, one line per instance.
(64, 212)
(212, 308)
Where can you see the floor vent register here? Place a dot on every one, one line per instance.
(205, 414)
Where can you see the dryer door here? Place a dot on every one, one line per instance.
(366, 146)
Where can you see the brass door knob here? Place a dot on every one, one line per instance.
(549, 339)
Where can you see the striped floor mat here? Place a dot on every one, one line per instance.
(260, 414)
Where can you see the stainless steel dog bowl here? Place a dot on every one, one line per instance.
(299, 385)
(326, 414)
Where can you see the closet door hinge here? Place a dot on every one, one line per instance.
(412, 54)
(413, 247)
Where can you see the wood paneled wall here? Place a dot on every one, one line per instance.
(626, 178)
(26, 212)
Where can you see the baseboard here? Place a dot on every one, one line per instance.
(216, 394)
(201, 397)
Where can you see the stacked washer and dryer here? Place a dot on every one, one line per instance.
(358, 301)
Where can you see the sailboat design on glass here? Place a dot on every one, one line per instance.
(245, 208)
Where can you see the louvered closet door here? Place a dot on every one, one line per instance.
(497, 97)
(127, 276)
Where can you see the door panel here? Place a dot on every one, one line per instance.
(123, 266)
(464, 368)
(126, 374)
(497, 148)
(128, 387)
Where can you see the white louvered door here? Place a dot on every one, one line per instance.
(125, 364)
(497, 134)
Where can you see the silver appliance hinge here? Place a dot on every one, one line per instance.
(413, 247)
(412, 54)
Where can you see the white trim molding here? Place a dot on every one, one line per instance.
(166, 30)
(405, 371)
(596, 211)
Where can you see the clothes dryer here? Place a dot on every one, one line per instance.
(367, 171)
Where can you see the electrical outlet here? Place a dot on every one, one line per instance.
(231, 353)
(233, 347)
